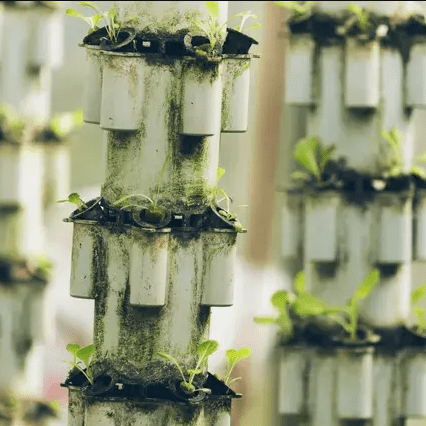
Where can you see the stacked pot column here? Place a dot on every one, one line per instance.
(30, 48)
(353, 90)
(153, 283)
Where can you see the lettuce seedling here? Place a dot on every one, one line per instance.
(75, 199)
(82, 355)
(419, 312)
(298, 10)
(244, 16)
(313, 157)
(204, 350)
(232, 358)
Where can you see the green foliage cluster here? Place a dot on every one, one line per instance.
(204, 350)
(302, 304)
(419, 312)
(82, 355)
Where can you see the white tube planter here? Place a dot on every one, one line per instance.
(9, 173)
(93, 86)
(224, 419)
(420, 227)
(395, 229)
(299, 70)
(362, 67)
(414, 379)
(122, 91)
(321, 227)
(354, 383)
(219, 250)
(83, 261)
(201, 101)
(235, 95)
(148, 269)
(291, 376)
(291, 226)
(47, 49)
(416, 75)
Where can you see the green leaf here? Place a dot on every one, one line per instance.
(280, 300)
(299, 282)
(74, 13)
(213, 8)
(299, 175)
(85, 354)
(92, 5)
(366, 285)
(254, 26)
(418, 293)
(325, 155)
(72, 348)
(308, 305)
(206, 348)
(264, 320)
(305, 154)
(219, 173)
(194, 372)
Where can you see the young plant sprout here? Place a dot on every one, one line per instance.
(244, 16)
(75, 199)
(392, 163)
(204, 350)
(209, 28)
(10, 122)
(62, 124)
(155, 211)
(361, 17)
(232, 358)
(313, 157)
(298, 11)
(82, 355)
(113, 25)
(350, 318)
(419, 312)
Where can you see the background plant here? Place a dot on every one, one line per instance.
(419, 312)
(244, 17)
(82, 355)
(298, 10)
(313, 156)
(391, 161)
(11, 123)
(204, 350)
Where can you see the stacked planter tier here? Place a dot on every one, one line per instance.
(340, 230)
(154, 281)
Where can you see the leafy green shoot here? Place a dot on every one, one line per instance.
(62, 124)
(209, 28)
(313, 157)
(204, 350)
(113, 24)
(244, 16)
(232, 358)
(75, 199)
(10, 121)
(350, 324)
(362, 17)
(84, 355)
(298, 10)
(416, 296)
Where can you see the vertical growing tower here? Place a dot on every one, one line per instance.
(359, 73)
(31, 47)
(155, 251)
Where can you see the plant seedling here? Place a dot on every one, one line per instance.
(313, 157)
(244, 16)
(62, 124)
(419, 312)
(349, 322)
(113, 24)
(362, 17)
(155, 212)
(75, 199)
(232, 358)
(392, 165)
(298, 11)
(82, 355)
(204, 350)
(10, 122)
(210, 28)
